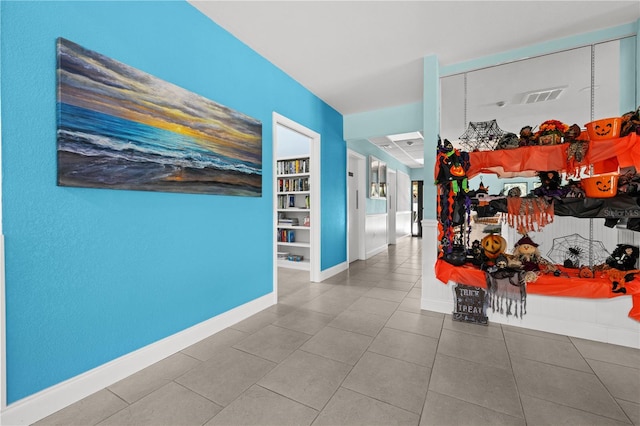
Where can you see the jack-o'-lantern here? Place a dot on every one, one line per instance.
(603, 186)
(606, 128)
(493, 245)
(603, 130)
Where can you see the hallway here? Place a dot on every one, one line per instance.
(357, 350)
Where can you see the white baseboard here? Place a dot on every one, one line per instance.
(46, 402)
(334, 270)
(377, 250)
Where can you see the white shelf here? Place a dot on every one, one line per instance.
(284, 243)
(294, 181)
(302, 265)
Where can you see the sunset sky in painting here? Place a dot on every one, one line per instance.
(96, 82)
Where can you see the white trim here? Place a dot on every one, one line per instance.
(48, 401)
(315, 193)
(328, 273)
(362, 190)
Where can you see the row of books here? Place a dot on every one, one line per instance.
(293, 166)
(286, 236)
(289, 202)
(293, 184)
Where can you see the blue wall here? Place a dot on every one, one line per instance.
(91, 274)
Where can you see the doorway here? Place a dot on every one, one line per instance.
(392, 207)
(356, 187)
(416, 207)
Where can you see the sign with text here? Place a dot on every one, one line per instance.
(470, 304)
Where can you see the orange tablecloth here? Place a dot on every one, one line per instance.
(549, 285)
(527, 160)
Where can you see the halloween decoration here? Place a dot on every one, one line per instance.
(527, 137)
(506, 288)
(529, 214)
(493, 245)
(576, 151)
(526, 251)
(454, 205)
(508, 141)
(602, 186)
(574, 251)
(630, 123)
(481, 135)
(550, 185)
(606, 128)
(574, 190)
(551, 132)
(622, 263)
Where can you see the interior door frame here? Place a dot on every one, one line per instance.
(392, 206)
(357, 208)
(315, 173)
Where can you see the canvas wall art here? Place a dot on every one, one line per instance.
(121, 128)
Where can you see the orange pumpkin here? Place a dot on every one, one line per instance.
(493, 245)
(607, 128)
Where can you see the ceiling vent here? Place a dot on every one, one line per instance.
(542, 95)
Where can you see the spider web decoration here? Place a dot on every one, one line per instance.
(575, 249)
(481, 136)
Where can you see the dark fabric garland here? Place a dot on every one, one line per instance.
(507, 292)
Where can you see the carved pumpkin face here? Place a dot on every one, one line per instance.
(493, 245)
(603, 130)
(457, 170)
(603, 185)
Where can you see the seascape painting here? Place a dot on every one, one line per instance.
(121, 128)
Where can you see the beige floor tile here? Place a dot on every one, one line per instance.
(305, 321)
(352, 408)
(223, 377)
(621, 382)
(614, 354)
(261, 407)
(386, 294)
(541, 412)
(88, 411)
(172, 404)
(359, 322)
(549, 351)
(154, 377)
(564, 386)
(480, 384)
(374, 306)
(399, 383)
(206, 348)
(306, 378)
(272, 343)
(443, 410)
(339, 345)
(474, 348)
(430, 326)
(405, 346)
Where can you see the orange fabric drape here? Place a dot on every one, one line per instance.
(572, 286)
(528, 160)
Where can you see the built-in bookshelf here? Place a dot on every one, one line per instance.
(293, 187)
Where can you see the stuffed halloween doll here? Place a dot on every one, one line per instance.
(527, 136)
(454, 204)
(550, 185)
(622, 263)
(526, 251)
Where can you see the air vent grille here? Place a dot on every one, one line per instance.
(542, 96)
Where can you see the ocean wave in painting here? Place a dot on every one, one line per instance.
(110, 136)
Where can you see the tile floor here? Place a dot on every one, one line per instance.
(357, 350)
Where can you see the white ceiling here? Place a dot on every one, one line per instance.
(362, 56)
